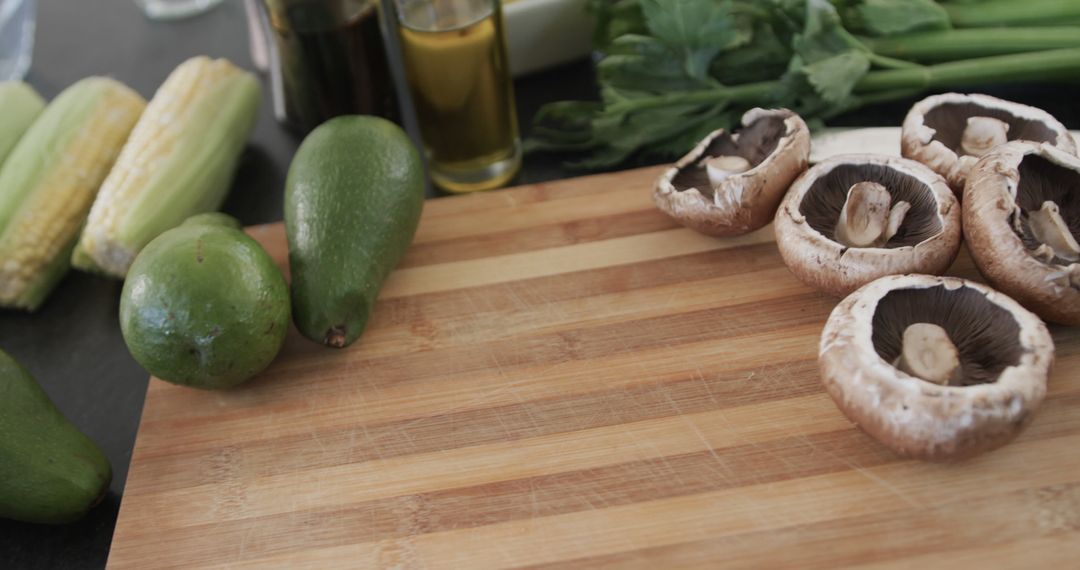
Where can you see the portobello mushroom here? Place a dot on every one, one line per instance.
(853, 218)
(950, 132)
(1022, 224)
(731, 183)
(935, 367)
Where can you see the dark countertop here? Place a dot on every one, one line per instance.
(73, 344)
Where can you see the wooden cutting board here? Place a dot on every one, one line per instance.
(560, 376)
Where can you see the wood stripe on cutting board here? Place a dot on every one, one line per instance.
(559, 376)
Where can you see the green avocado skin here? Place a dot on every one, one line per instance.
(353, 198)
(204, 305)
(49, 471)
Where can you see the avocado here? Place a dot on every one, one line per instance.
(49, 471)
(204, 305)
(353, 197)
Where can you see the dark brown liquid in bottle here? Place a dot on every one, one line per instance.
(333, 62)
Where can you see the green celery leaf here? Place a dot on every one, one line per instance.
(706, 122)
(765, 57)
(691, 66)
(650, 131)
(696, 29)
(773, 25)
(834, 78)
(564, 126)
(827, 65)
(613, 96)
(614, 19)
(637, 44)
(894, 17)
(823, 34)
(642, 63)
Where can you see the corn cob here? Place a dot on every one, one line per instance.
(178, 162)
(50, 179)
(19, 106)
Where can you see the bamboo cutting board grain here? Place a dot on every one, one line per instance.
(559, 376)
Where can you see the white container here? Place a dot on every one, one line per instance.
(544, 33)
(175, 9)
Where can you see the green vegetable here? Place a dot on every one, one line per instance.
(178, 161)
(21, 105)
(352, 203)
(49, 471)
(990, 13)
(891, 17)
(674, 70)
(972, 43)
(204, 305)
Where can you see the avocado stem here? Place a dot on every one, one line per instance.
(335, 337)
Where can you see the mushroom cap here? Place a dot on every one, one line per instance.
(927, 242)
(934, 126)
(1007, 347)
(1022, 173)
(776, 143)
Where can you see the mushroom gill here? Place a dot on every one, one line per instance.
(1047, 214)
(982, 127)
(985, 335)
(871, 205)
(730, 154)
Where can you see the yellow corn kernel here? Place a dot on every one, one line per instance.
(179, 161)
(49, 182)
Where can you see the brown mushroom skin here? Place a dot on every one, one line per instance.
(919, 141)
(918, 419)
(998, 252)
(745, 201)
(833, 268)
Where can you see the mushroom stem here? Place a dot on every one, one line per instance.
(866, 219)
(1043, 253)
(1049, 227)
(721, 167)
(896, 218)
(1074, 275)
(928, 354)
(982, 134)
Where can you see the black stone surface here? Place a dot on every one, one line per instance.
(73, 344)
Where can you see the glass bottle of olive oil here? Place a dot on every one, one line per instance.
(455, 59)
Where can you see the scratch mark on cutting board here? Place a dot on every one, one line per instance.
(532, 498)
(249, 532)
(700, 377)
(499, 368)
(527, 407)
(889, 487)
(693, 427)
(318, 441)
(512, 289)
(866, 473)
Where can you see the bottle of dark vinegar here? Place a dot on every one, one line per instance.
(328, 59)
